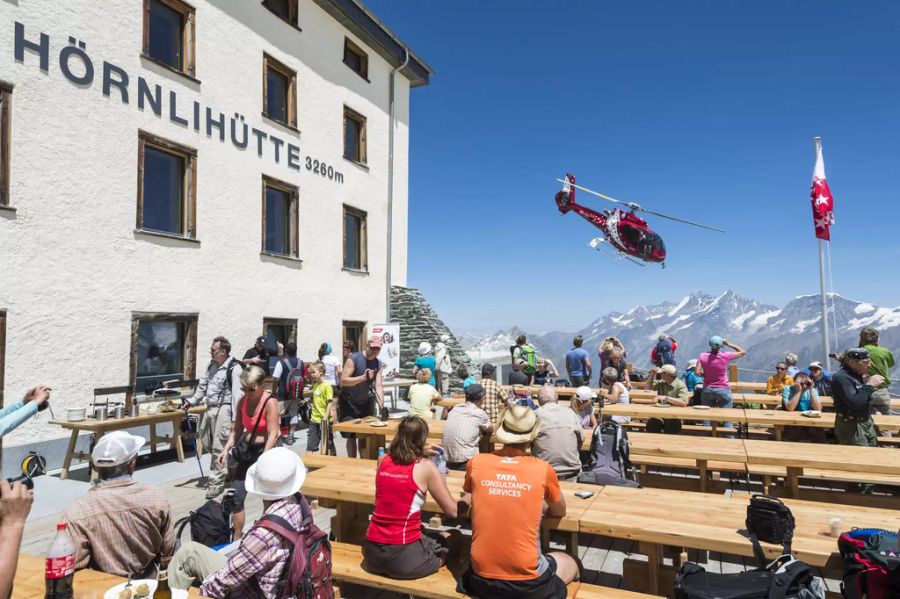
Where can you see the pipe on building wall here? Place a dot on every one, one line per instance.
(390, 223)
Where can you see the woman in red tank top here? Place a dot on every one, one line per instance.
(394, 544)
(258, 421)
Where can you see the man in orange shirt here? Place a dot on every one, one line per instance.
(509, 490)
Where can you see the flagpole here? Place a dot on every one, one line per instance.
(827, 360)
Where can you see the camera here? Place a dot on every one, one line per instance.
(24, 479)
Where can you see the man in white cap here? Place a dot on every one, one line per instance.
(120, 527)
(821, 379)
(443, 365)
(508, 487)
(263, 557)
(360, 380)
(561, 434)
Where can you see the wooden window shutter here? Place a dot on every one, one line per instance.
(364, 242)
(292, 100)
(190, 199)
(5, 143)
(146, 42)
(189, 41)
(265, 187)
(362, 141)
(190, 348)
(265, 86)
(293, 10)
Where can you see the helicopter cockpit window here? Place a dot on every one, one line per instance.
(651, 243)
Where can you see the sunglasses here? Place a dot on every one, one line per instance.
(780, 368)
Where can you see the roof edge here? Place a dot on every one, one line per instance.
(356, 16)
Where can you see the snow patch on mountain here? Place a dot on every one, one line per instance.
(684, 302)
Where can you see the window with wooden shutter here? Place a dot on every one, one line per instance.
(169, 34)
(163, 347)
(356, 59)
(167, 187)
(355, 253)
(279, 92)
(280, 218)
(286, 10)
(354, 136)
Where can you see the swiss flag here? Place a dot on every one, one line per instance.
(821, 198)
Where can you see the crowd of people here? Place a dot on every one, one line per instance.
(125, 528)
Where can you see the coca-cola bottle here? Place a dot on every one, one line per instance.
(60, 570)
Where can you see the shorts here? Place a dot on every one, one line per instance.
(546, 586)
(350, 410)
(418, 559)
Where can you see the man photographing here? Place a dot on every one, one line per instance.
(360, 379)
(15, 414)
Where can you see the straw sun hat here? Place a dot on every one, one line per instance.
(519, 424)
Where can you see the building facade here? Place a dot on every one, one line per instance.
(174, 170)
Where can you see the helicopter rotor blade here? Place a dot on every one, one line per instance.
(681, 220)
(639, 208)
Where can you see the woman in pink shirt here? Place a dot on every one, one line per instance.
(395, 546)
(713, 367)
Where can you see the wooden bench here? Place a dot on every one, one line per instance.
(346, 567)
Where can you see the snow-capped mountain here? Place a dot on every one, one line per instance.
(490, 343)
(765, 331)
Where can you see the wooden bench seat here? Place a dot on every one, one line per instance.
(346, 567)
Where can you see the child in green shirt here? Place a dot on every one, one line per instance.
(323, 408)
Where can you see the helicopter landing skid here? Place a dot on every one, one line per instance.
(597, 244)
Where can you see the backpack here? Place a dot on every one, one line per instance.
(294, 379)
(308, 575)
(210, 523)
(770, 520)
(664, 353)
(234, 364)
(530, 356)
(871, 559)
(608, 462)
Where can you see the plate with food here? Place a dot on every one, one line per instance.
(701, 407)
(662, 405)
(812, 413)
(378, 424)
(139, 589)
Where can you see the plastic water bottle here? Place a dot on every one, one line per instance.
(440, 461)
(60, 566)
(380, 455)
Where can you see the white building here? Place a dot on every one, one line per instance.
(173, 170)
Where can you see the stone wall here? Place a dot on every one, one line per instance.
(419, 322)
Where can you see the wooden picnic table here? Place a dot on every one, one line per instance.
(89, 584)
(777, 419)
(659, 518)
(353, 482)
(101, 427)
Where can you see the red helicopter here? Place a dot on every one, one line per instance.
(627, 234)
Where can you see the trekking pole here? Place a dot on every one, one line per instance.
(194, 441)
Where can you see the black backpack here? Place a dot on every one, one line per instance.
(769, 520)
(608, 462)
(664, 353)
(210, 523)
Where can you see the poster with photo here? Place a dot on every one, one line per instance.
(390, 351)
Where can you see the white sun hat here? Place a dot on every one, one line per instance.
(278, 473)
(115, 448)
(424, 348)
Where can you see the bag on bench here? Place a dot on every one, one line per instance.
(609, 461)
(871, 564)
(210, 523)
(769, 520)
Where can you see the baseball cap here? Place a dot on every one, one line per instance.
(115, 448)
(474, 392)
(816, 365)
(692, 363)
(585, 392)
(715, 341)
(261, 339)
(857, 353)
(375, 341)
(667, 369)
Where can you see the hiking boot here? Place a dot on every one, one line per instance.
(213, 493)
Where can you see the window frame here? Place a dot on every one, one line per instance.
(363, 239)
(189, 189)
(2, 367)
(189, 348)
(293, 18)
(353, 48)
(280, 322)
(284, 70)
(351, 114)
(188, 37)
(294, 216)
(5, 142)
(351, 324)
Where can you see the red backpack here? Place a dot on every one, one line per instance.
(871, 559)
(308, 575)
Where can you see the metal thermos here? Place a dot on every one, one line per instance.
(135, 410)
(119, 412)
(100, 413)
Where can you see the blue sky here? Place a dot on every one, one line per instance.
(700, 109)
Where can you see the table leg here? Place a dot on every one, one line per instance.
(342, 521)
(714, 428)
(572, 543)
(91, 472)
(152, 437)
(793, 480)
(778, 431)
(701, 464)
(654, 555)
(67, 462)
(176, 439)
